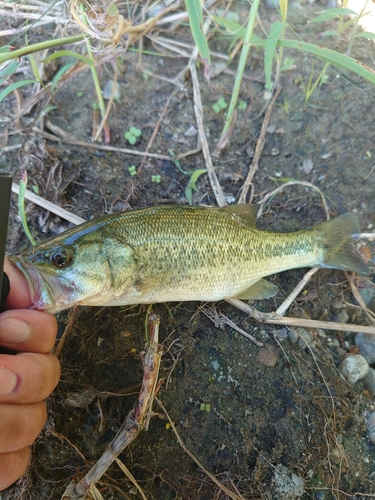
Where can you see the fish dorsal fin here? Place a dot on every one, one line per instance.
(262, 289)
(245, 213)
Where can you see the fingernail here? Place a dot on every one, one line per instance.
(8, 381)
(14, 331)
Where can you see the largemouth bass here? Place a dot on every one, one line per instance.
(178, 253)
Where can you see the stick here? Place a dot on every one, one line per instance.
(259, 149)
(55, 209)
(216, 188)
(270, 318)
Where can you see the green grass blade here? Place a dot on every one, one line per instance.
(276, 31)
(15, 86)
(7, 71)
(248, 42)
(194, 10)
(60, 73)
(35, 69)
(332, 57)
(67, 53)
(328, 55)
(30, 49)
(329, 14)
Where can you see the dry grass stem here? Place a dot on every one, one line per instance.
(100, 147)
(157, 126)
(130, 476)
(68, 326)
(370, 314)
(273, 193)
(270, 318)
(198, 109)
(259, 149)
(55, 209)
(223, 488)
(219, 320)
(281, 310)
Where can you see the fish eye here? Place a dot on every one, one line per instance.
(61, 258)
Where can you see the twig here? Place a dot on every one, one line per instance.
(292, 183)
(102, 147)
(259, 149)
(281, 310)
(200, 465)
(220, 320)
(216, 188)
(38, 200)
(130, 476)
(157, 126)
(369, 314)
(68, 326)
(270, 318)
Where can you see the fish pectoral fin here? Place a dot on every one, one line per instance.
(262, 289)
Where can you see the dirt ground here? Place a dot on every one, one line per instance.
(263, 431)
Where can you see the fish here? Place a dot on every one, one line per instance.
(175, 253)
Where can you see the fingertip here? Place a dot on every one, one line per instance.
(19, 295)
(28, 330)
(12, 466)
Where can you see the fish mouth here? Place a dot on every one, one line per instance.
(48, 293)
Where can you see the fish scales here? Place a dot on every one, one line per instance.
(176, 253)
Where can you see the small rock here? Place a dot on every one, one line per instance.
(370, 381)
(286, 484)
(250, 151)
(111, 87)
(305, 337)
(307, 166)
(342, 317)
(335, 456)
(366, 345)
(268, 355)
(337, 304)
(215, 364)
(367, 294)
(191, 132)
(333, 343)
(271, 129)
(293, 336)
(370, 426)
(354, 368)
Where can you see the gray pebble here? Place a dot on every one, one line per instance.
(110, 87)
(370, 381)
(342, 316)
(305, 337)
(367, 294)
(366, 345)
(370, 426)
(286, 484)
(354, 368)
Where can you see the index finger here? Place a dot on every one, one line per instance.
(19, 295)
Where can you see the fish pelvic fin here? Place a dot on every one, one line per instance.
(340, 253)
(262, 289)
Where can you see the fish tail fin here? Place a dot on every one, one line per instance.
(340, 253)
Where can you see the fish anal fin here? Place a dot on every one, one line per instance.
(262, 289)
(245, 213)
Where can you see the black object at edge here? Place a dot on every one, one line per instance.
(5, 192)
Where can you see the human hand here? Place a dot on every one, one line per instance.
(26, 378)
